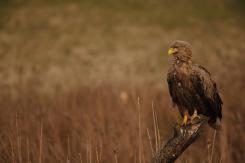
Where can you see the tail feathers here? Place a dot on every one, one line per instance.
(215, 122)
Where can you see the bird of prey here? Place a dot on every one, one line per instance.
(191, 87)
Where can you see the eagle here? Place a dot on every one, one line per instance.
(191, 87)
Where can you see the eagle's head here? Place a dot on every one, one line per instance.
(180, 50)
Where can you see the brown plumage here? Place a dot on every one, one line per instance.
(191, 86)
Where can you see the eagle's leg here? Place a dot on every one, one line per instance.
(195, 115)
(185, 118)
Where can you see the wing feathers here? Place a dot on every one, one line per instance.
(206, 88)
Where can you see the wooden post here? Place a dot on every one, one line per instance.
(183, 137)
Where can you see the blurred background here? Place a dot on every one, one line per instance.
(85, 80)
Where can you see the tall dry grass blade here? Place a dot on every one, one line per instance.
(158, 131)
(18, 138)
(97, 154)
(159, 138)
(140, 134)
(41, 143)
(212, 149)
(115, 156)
(80, 157)
(90, 152)
(68, 150)
(12, 150)
(220, 161)
(87, 152)
(209, 153)
(28, 150)
(100, 156)
(155, 127)
(149, 137)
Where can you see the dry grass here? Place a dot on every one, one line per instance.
(99, 125)
(85, 81)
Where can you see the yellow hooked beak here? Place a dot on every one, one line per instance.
(171, 51)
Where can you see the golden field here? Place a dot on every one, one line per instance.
(85, 81)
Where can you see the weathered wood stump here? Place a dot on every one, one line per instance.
(183, 137)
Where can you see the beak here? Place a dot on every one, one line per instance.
(171, 51)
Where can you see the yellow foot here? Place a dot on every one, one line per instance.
(195, 116)
(184, 122)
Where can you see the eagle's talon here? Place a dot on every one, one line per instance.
(195, 116)
(185, 120)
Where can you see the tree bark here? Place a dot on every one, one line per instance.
(183, 137)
